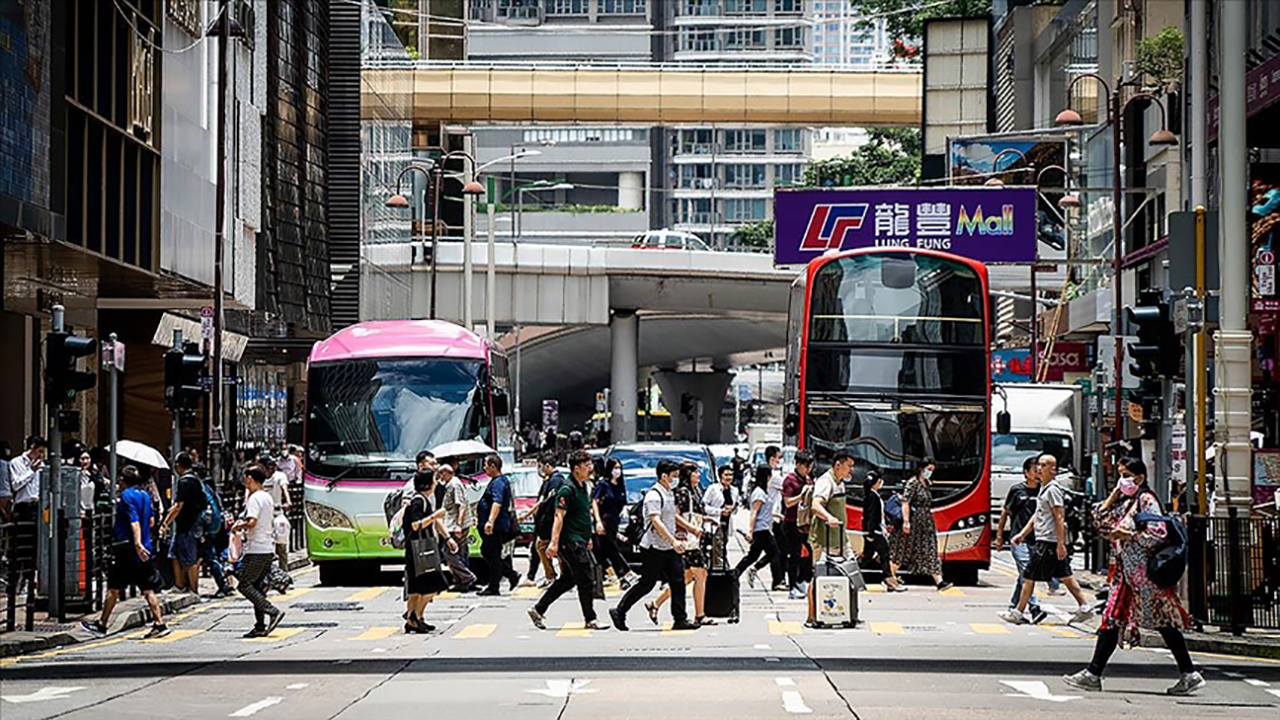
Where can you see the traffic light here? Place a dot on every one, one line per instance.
(63, 378)
(182, 371)
(1157, 352)
(686, 405)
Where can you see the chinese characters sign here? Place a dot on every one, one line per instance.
(996, 225)
(1014, 365)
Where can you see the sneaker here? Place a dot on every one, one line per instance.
(592, 625)
(273, 621)
(256, 632)
(1013, 616)
(1058, 591)
(156, 631)
(779, 588)
(625, 583)
(96, 627)
(1038, 615)
(619, 622)
(751, 578)
(1187, 684)
(543, 584)
(1084, 680)
(945, 586)
(537, 619)
(796, 594)
(1082, 613)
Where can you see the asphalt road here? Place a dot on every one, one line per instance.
(340, 653)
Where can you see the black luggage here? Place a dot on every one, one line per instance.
(721, 600)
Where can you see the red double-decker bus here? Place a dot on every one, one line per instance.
(889, 359)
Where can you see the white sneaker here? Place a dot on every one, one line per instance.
(796, 594)
(1013, 616)
(1187, 684)
(1084, 680)
(1082, 613)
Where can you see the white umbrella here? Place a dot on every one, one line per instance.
(461, 449)
(139, 453)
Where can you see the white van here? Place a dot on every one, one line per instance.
(1043, 418)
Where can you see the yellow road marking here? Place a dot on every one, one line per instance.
(1000, 570)
(887, 628)
(174, 636)
(278, 635)
(573, 630)
(989, 629)
(785, 628)
(1245, 658)
(1064, 632)
(366, 594)
(874, 589)
(448, 596)
(376, 633)
(952, 592)
(293, 594)
(90, 646)
(527, 593)
(477, 631)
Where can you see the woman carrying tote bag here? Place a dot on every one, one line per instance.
(423, 578)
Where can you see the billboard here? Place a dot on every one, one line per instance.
(1013, 365)
(989, 224)
(1015, 159)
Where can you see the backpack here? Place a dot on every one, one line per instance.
(545, 517)
(1168, 562)
(893, 510)
(637, 523)
(211, 521)
(393, 507)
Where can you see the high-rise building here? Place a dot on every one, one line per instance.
(840, 38)
(721, 176)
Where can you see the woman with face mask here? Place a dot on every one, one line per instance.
(1134, 602)
(608, 501)
(914, 547)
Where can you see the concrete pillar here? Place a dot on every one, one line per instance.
(709, 388)
(624, 332)
(631, 190)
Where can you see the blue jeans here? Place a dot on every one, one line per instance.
(213, 561)
(1022, 556)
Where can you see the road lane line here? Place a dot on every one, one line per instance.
(762, 647)
(293, 594)
(527, 593)
(793, 703)
(1061, 631)
(367, 594)
(475, 632)
(785, 682)
(174, 636)
(1257, 683)
(249, 710)
(785, 628)
(887, 628)
(376, 633)
(952, 592)
(277, 635)
(573, 630)
(1273, 691)
(297, 686)
(448, 596)
(988, 629)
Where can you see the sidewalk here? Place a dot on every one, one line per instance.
(129, 613)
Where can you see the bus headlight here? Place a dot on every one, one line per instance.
(325, 517)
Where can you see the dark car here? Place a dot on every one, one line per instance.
(639, 468)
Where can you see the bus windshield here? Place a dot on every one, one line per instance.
(378, 414)
(891, 437)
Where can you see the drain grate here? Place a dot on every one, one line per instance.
(329, 606)
(310, 625)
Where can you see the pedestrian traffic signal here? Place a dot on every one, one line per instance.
(1157, 352)
(182, 387)
(63, 378)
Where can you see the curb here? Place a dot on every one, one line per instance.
(1236, 646)
(127, 621)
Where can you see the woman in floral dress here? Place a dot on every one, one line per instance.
(914, 546)
(1135, 602)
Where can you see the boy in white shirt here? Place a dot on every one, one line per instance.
(259, 551)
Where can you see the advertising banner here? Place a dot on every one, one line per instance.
(1013, 365)
(994, 225)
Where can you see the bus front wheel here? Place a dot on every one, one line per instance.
(964, 575)
(344, 572)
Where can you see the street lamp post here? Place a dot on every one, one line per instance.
(533, 187)
(471, 188)
(1115, 117)
(523, 152)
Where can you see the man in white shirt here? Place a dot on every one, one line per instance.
(24, 477)
(458, 521)
(259, 545)
(277, 486)
(778, 564)
(720, 501)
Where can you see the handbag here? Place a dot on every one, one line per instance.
(597, 580)
(425, 553)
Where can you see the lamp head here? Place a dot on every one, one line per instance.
(1068, 118)
(397, 201)
(1069, 201)
(994, 182)
(473, 188)
(1163, 137)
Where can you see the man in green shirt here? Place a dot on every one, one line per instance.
(570, 541)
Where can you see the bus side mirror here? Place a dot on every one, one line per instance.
(501, 403)
(1004, 423)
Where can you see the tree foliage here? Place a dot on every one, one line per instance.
(1160, 57)
(904, 19)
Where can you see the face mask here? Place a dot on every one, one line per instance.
(617, 473)
(1128, 486)
(926, 474)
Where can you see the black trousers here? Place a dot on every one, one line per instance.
(778, 564)
(793, 544)
(664, 565)
(576, 570)
(1108, 639)
(763, 549)
(877, 546)
(608, 554)
(497, 566)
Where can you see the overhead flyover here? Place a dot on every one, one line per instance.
(639, 93)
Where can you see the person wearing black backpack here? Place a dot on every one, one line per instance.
(544, 515)
(1131, 517)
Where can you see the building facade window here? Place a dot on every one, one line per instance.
(744, 176)
(788, 7)
(700, 8)
(744, 39)
(788, 140)
(790, 37)
(624, 7)
(695, 177)
(568, 7)
(518, 9)
(744, 141)
(698, 41)
(789, 174)
(697, 142)
(693, 211)
(746, 7)
(582, 135)
(744, 209)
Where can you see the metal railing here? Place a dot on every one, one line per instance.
(1233, 573)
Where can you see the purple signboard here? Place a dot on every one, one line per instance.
(995, 225)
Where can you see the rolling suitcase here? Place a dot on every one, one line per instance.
(722, 596)
(834, 595)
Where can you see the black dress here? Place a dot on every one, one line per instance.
(427, 583)
(689, 504)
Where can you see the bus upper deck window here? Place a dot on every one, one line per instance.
(898, 273)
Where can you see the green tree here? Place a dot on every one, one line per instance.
(758, 235)
(904, 19)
